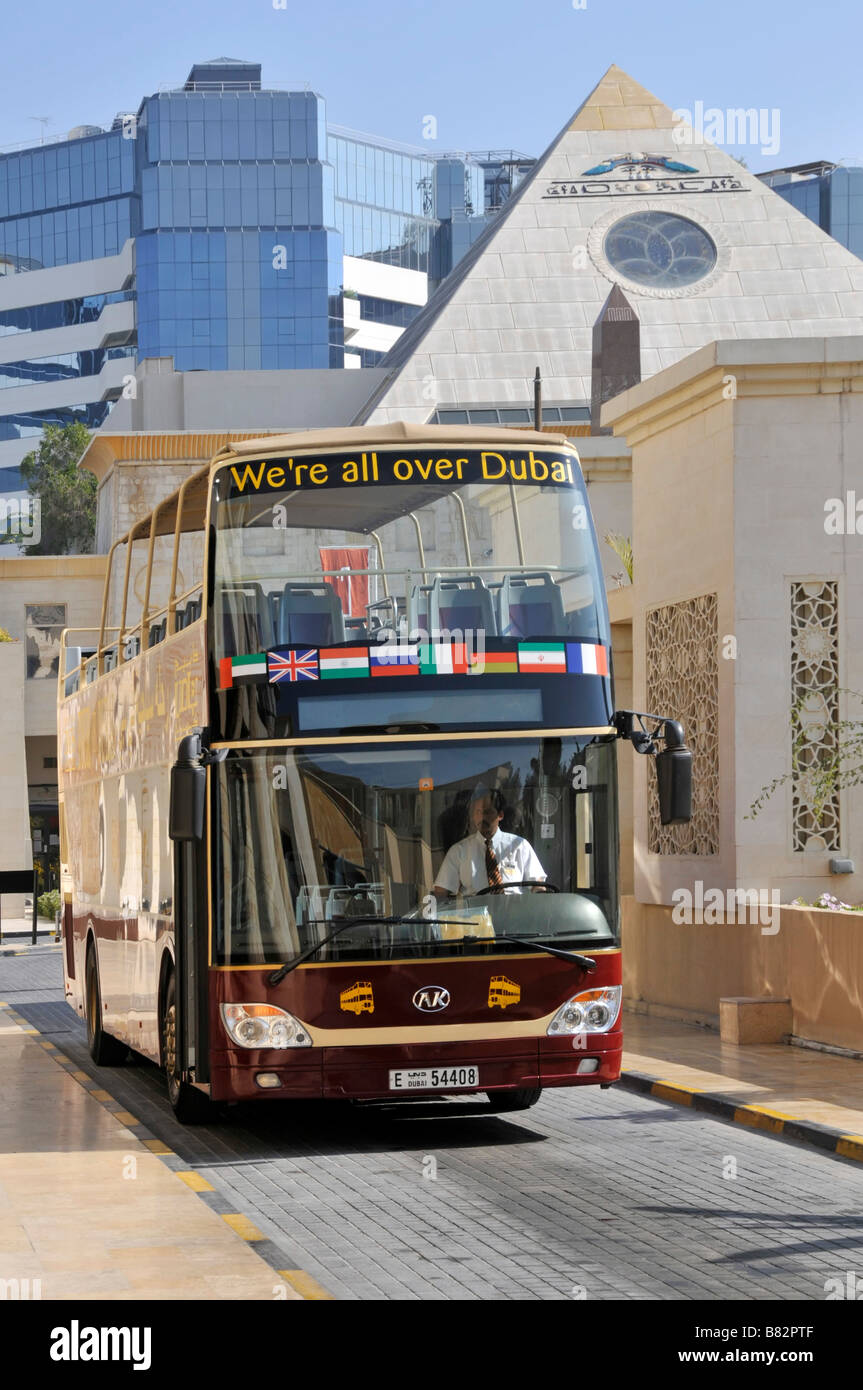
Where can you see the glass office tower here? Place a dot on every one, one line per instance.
(222, 224)
(829, 194)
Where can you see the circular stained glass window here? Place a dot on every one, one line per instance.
(660, 249)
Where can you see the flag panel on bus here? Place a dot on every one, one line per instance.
(242, 670)
(539, 658)
(341, 662)
(443, 659)
(394, 659)
(292, 664)
(493, 664)
(586, 659)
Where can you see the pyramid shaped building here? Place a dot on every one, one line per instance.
(625, 196)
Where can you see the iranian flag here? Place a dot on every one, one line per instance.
(443, 659)
(542, 658)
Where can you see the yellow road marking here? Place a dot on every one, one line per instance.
(80, 1076)
(101, 1095)
(126, 1118)
(304, 1284)
(850, 1146)
(196, 1182)
(668, 1090)
(48, 1046)
(759, 1119)
(156, 1146)
(242, 1225)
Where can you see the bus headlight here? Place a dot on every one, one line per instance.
(593, 1011)
(263, 1025)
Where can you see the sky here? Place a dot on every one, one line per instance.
(494, 74)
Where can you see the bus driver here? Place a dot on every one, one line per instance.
(489, 857)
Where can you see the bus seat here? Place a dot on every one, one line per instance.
(157, 633)
(73, 662)
(418, 609)
(310, 613)
(356, 630)
(245, 619)
(109, 660)
(461, 602)
(531, 605)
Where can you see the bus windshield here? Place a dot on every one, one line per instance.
(307, 839)
(480, 549)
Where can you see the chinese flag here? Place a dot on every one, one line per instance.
(352, 589)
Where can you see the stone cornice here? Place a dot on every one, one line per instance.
(727, 371)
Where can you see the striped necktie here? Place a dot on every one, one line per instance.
(492, 867)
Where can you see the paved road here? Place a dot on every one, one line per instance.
(592, 1194)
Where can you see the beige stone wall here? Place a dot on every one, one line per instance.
(815, 959)
(76, 581)
(735, 452)
(15, 846)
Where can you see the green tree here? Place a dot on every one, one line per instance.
(821, 770)
(67, 493)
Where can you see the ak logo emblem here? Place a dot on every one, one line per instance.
(432, 999)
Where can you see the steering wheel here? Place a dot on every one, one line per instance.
(518, 883)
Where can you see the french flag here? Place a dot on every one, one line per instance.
(586, 659)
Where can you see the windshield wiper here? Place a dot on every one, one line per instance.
(278, 975)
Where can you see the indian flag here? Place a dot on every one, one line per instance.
(542, 658)
(586, 659)
(242, 670)
(341, 662)
(443, 659)
(494, 664)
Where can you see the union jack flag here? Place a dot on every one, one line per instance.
(292, 666)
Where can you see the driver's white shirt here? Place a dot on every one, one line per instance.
(464, 865)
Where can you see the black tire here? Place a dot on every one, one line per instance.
(190, 1106)
(106, 1051)
(521, 1099)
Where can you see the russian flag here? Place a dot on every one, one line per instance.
(586, 659)
(394, 659)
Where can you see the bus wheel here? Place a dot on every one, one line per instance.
(521, 1099)
(105, 1050)
(190, 1106)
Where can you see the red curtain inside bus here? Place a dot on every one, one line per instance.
(353, 590)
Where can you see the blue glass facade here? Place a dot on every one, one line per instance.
(830, 195)
(239, 263)
(241, 206)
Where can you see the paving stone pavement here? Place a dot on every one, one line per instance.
(591, 1194)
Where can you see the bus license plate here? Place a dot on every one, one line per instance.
(434, 1078)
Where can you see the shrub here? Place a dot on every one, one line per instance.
(49, 904)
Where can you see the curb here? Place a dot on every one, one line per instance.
(303, 1284)
(722, 1107)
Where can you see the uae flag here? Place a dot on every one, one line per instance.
(341, 662)
(242, 670)
(494, 664)
(394, 659)
(443, 659)
(586, 659)
(542, 658)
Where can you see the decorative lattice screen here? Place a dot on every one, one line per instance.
(815, 697)
(683, 683)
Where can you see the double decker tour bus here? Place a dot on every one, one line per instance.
(337, 776)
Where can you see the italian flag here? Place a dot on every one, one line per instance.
(443, 659)
(242, 670)
(540, 658)
(341, 662)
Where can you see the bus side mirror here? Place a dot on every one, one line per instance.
(674, 777)
(188, 786)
